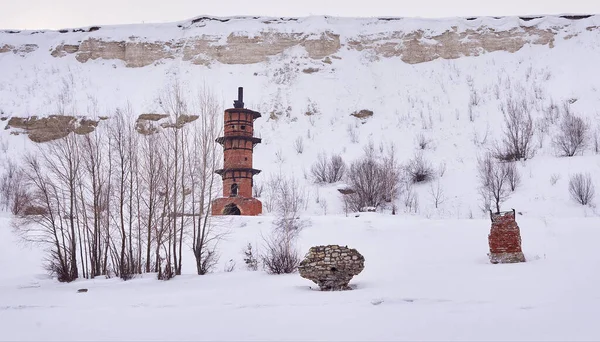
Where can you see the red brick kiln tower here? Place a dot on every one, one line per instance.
(238, 143)
(505, 239)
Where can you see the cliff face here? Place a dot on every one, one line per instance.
(204, 41)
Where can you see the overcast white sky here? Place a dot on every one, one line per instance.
(56, 14)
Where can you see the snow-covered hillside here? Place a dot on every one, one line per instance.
(435, 87)
(453, 101)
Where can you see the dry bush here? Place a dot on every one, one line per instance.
(518, 131)
(581, 188)
(374, 180)
(419, 170)
(365, 177)
(326, 170)
(572, 137)
(422, 142)
(280, 253)
(299, 145)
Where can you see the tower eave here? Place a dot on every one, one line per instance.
(221, 140)
(221, 172)
(255, 114)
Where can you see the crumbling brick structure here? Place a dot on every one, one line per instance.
(238, 143)
(505, 239)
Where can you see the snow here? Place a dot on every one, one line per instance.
(423, 280)
(427, 276)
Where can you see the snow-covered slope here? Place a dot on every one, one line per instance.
(444, 79)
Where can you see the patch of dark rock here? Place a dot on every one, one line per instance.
(363, 114)
(576, 17)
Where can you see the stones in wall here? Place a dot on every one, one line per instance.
(332, 266)
(505, 239)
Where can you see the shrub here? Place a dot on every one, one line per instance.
(572, 137)
(326, 170)
(419, 170)
(518, 131)
(281, 255)
(249, 258)
(581, 188)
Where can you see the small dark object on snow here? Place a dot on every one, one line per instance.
(82, 290)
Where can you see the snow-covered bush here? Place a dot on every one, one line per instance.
(250, 259)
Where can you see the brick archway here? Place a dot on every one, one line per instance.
(231, 209)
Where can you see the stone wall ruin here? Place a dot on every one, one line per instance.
(332, 266)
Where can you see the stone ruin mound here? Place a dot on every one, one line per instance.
(331, 267)
(505, 239)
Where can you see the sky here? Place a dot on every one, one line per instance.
(57, 14)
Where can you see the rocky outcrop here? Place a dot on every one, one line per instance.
(228, 43)
(419, 47)
(150, 123)
(202, 50)
(331, 267)
(21, 50)
(50, 128)
(505, 239)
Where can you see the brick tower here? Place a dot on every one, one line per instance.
(238, 144)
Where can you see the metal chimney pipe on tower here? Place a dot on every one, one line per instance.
(239, 103)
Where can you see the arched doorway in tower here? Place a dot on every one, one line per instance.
(231, 209)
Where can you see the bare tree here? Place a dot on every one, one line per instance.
(493, 176)
(514, 178)
(437, 194)
(573, 135)
(50, 218)
(13, 190)
(582, 188)
(204, 159)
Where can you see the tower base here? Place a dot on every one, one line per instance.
(236, 206)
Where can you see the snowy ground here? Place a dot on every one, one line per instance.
(423, 280)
